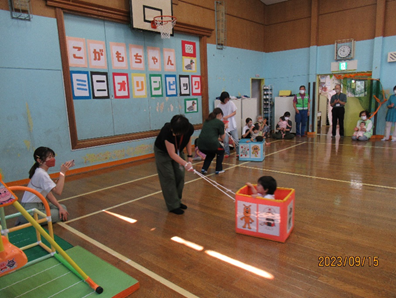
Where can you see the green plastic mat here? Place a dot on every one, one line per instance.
(50, 278)
(27, 236)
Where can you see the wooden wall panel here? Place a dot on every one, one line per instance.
(117, 4)
(244, 34)
(198, 15)
(283, 26)
(252, 10)
(390, 18)
(358, 23)
(342, 5)
(287, 36)
(288, 11)
(245, 21)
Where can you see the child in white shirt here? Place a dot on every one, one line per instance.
(266, 186)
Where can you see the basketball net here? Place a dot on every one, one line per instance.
(164, 24)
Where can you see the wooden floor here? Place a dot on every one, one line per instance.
(345, 207)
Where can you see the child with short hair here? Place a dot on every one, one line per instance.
(266, 186)
(361, 131)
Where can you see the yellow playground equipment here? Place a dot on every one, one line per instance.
(12, 257)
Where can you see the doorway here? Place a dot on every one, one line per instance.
(256, 87)
(358, 89)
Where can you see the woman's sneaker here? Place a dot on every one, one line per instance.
(385, 139)
(219, 172)
(204, 172)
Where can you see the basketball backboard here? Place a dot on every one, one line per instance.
(143, 12)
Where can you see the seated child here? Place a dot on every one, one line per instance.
(255, 134)
(266, 186)
(361, 131)
(283, 125)
(264, 129)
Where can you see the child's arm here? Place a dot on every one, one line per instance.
(252, 189)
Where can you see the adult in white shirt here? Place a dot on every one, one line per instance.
(40, 180)
(229, 111)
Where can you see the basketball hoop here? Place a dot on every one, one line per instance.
(164, 24)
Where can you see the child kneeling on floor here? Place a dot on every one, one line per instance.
(266, 186)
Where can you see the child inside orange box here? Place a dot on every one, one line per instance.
(266, 187)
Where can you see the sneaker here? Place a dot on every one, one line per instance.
(385, 139)
(204, 172)
(219, 172)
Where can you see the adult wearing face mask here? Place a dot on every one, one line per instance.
(338, 102)
(301, 104)
(391, 117)
(368, 127)
(288, 135)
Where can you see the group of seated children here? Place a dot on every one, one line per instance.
(256, 132)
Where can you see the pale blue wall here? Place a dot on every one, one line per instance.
(287, 70)
(231, 69)
(32, 96)
(33, 101)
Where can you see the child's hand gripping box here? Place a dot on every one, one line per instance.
(265, 218)
(251, 151)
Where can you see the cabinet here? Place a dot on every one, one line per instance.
(246, 107)
(267, 105)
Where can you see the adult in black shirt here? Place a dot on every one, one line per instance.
(338, 102)
(170, 162)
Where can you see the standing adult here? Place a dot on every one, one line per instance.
(208, 142)
(367, 127)
(301, 104)
(288, 135)
(338, 102)
(391, 117)
(229, 111)
(170, 162)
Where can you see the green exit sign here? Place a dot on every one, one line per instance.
(343, 66)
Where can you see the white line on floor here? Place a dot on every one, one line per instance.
(131, 263)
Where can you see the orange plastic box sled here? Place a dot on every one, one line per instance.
(265, 218)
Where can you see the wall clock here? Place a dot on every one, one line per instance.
(344, 49)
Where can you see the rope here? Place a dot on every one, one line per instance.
(236, 143)
(220, 187)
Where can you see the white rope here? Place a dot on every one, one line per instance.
(235, 142)
(220, 187)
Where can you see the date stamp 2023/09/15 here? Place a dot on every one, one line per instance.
(348, 261)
